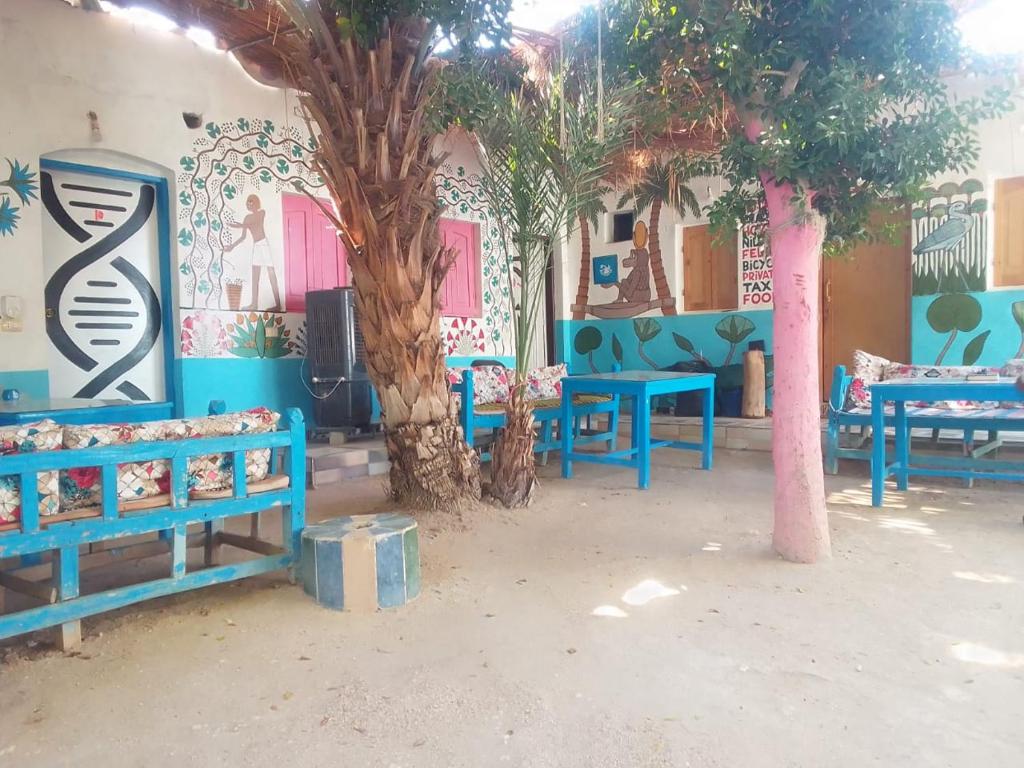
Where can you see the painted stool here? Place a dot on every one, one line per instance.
(362, 563)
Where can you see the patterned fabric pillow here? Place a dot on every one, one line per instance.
(952, 372)
(867, 370)
(490, 383)
(546, 383)
(81, 487)
(27, 438)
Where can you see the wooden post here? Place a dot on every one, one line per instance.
(753, 384)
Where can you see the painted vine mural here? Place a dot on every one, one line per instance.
(950, 232)
(222, 238)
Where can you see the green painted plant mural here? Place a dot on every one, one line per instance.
(687, 346)
(950, 229)
(1017, 310)
(954, 313)
(234, 159)
(646, 329)
(617, 349)
(260, 335)
(975, 347)
(734, 329)
(588, 340)
(22, 183)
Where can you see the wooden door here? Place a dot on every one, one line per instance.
(710, 270)
(461, 294)
(314, 257)
(866, 304)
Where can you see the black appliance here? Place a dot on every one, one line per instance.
(337, 367)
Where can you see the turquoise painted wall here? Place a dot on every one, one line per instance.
(977, 314)
(243, 383)
(35, 384)
(702, 330)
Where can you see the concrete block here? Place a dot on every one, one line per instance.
(361, 563)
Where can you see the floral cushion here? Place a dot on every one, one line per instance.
(952, 372)
(490, 383)
(546, 383)
(82, 487)
(39, 436)
(867, 370)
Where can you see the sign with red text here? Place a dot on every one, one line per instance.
(755, 283)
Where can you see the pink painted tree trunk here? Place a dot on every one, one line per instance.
(796, 234)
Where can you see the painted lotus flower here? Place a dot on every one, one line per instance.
(22, 181)
(8, 217)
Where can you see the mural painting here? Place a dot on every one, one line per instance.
(465, 337)
(19, 187)
(606, 270)
(981, 328)
(219, 188)
(634, 290)
(457, 193)
(225, 335)
(103, 286)
(950, 232)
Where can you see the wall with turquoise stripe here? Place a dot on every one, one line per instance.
(983, 328)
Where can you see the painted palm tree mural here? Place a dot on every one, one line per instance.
(23, 186)
(950, 228)
(662, 182)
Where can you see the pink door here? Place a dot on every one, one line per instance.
(461, 296)
(314, 257)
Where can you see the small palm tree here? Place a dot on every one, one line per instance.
(664, 182)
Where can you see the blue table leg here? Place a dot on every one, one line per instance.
(877, 451)
(708, 432)
(643, 437)
(902, 445)
(565, 428)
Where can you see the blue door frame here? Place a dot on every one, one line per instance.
(172, 382)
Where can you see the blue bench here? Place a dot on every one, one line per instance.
(83, 539)
(492, 416)
(843, 421)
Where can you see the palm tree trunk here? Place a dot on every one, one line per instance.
(513, 473)
(668, 305)
(375, 156)
(579, 307)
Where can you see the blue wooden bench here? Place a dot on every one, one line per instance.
(492, 416)
(82, 539)
(843, 421)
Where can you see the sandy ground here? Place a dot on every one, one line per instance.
(601, 627)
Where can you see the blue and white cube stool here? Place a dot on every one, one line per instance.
(362, 563)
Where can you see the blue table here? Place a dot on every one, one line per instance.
(641, 386)
(899, 392)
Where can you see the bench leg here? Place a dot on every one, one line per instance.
(545, 436)
(832, 448)
(613, 429)
(211, 546)
(968, 451)
(65, 579)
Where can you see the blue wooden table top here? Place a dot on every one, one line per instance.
(651, 382)
(946, 389)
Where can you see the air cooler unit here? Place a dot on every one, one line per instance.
(335, 355)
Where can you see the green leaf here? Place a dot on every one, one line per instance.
(588, 338)
(973, 350)
(684, 344)
(954, 312)
(260, 337)
(734, 328)
(1017, 309)
(617, 349)
(646, 328)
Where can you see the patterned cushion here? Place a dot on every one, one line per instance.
(952, 372)
(546, 383)
(40, 436)
(81, 486)
(867, 370)
(490, 383)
